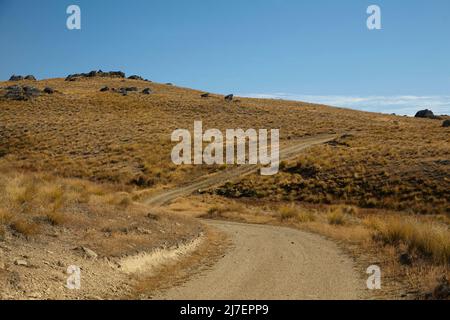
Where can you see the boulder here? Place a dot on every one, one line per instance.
(15, 78)
(71, 77)
(135, 77)
(405, 259)
(123, 91)
(104, 89)
(15, 93)
(89, 253)
(128, 89)
(147, 91)
(31, 92)
(49, 90)
(425, 114)
(21, 262)
(116, 74)
(229, 97)
(21, 93)
(442, 290)
(30, 77)
(446, 123)
(205, 95)
(86, 252)
(93, 74)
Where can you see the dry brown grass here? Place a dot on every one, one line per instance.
(336, 217)
(369, 235)
(287, 213)
(429, 239)
(34, 205)
(387, 162)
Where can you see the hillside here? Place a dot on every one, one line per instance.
(80, 157)
(382, 160)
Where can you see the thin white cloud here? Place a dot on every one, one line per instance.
(402, 105)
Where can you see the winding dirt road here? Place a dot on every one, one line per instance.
(269, 262)
(286, 153)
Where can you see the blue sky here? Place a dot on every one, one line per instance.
(319, 51)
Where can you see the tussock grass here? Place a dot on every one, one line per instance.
(336, 217)
(29, 201)
(287, 213)
(22, 226)
(293, 213)
(426, 238)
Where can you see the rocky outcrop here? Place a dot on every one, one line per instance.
(15, 78)
(135, 77)
(92, 74)
(23, 93)
(428, 114)
(49, 90)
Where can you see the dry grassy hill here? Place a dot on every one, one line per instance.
(382, 161)
(52, 143)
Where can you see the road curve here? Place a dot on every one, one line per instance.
(233, 173)
(270, 262)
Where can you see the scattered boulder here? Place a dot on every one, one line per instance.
(21, 262)
(123, 91)
(169, 84)
(21, 93)
(405, 259)
(135, 77)
(428, 114)
(31, 92)
(129, 89)
(104, 89)
(49, 90)
(88, 253)
(19, 78)
(205, 95)
(446, 123)
(147, 91)
(15, 78)
(229, 97)
(115, 74)
(442, 290)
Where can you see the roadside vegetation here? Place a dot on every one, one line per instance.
(413, 251)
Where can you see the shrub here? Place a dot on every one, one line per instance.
(306, 217)
(56, 218)
(429, 239)
(25, 227)
(5, 217)
(287, 212)
(336, 217)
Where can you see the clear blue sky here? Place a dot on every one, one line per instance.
(294, 48)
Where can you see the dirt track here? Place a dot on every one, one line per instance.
(269, 262)
(237, 172)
